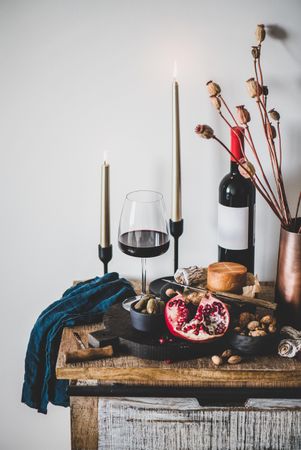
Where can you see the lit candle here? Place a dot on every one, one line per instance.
(176, 202)
(105, 203)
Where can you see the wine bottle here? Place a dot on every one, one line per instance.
(236, 210)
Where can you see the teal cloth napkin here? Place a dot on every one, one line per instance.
(81, 304)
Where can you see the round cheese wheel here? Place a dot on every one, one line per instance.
(226, 277)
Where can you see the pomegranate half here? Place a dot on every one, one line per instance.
(209, 320)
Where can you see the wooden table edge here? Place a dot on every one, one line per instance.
(183, 377)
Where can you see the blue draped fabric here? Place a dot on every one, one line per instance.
(81, 304)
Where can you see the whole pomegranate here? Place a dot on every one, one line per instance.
(209, 320)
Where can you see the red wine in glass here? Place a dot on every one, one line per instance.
(144, 243)
(143, 230)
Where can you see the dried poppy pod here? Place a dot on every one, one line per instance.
(255, 52)
(274, 114)
(243, 114)
(271, 131)
(213, 88)
(254, 88)
(216, 102)
(204, 131)
(260, 33)
(246, 169)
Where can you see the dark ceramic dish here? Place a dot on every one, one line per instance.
(249, 345)
(148, 323)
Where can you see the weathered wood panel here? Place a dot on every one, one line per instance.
(84, 423)
(274, 403)
(181, 424)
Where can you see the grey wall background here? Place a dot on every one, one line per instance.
(79, 77)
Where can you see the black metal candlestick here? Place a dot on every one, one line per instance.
(176, 230)
(105, 255)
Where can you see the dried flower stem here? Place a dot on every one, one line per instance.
(251, 177)
(252, 146)
(249, 140)
(276, 165)
(280, 145)
(229, 111)
(297, 209)
(260, 71)
(278, 178)
(273, 163)
(273, 199)
(233, 117)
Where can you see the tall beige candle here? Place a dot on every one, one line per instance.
(105, 238)
(176, 201)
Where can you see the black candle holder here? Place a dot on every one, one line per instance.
(105, 255)
(176, 230)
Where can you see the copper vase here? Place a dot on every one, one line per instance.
(288, 282)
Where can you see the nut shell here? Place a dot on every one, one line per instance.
(253, 325)
(272, 328)
(257, 333)
(217, 360)
(245, 318)
(170, 292)
(235, 359)
(226, 354)
(267, 320)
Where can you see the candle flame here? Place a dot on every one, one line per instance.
(175, 69)
(105, 157)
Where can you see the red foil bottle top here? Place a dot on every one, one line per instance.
(237, 142)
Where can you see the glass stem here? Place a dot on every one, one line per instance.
(143, 275)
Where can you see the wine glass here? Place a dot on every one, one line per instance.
(143, 230)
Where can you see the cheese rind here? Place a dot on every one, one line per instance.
(226, 277)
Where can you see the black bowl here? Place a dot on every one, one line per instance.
(253, 345)
(148, 323)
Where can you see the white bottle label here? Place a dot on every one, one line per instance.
(233, 227)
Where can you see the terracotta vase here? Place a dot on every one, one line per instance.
(288, 282)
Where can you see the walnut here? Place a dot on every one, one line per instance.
(253, 325)
(272, 328)
(267, 320)
(194, 297)
(257, 333)
(245, 318)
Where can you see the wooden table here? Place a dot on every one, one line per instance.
(103, 392)
(127, 403)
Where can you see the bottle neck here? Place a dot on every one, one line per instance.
(236, 147)
(234, 167)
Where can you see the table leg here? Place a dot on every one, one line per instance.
(84, 423)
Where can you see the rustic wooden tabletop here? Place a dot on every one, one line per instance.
(253, 372)
(260, 371)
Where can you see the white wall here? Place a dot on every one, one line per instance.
(78, 77)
